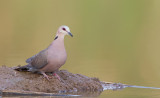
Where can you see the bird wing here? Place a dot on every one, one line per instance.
(39, 60)
(29, 60)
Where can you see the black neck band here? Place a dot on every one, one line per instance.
(55, 37)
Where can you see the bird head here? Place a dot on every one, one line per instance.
(64, 30)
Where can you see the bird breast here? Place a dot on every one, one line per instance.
(57, 56)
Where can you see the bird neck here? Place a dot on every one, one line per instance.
(59, 37)
(58, 42)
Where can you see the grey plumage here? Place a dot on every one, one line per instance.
(39, 60)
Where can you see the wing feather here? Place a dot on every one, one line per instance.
(39, 60)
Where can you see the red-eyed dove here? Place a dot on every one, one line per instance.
(51, 58)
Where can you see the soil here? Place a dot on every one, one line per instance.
(11, 79)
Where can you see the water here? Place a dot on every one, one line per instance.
(124, 91)
(131, 93)
(116, 41)
(110, 90)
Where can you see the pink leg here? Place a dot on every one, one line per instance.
(57, 76)
(45, 76)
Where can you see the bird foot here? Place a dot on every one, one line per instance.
(45, 76)
(57, 76)
(54, 74)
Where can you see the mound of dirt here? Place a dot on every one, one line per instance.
(11, 79)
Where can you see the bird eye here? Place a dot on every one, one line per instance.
(64, 29)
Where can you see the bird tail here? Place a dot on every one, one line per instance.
(23, 68)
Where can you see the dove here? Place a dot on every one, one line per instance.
(51, 58)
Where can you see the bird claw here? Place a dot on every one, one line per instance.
(57, 76)
(54, 74)
(46, 76)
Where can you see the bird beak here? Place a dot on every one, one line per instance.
(70, 34)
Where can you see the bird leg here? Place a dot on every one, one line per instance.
(57, 76)
(45, 76)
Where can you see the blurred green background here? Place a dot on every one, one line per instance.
(114, 40)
